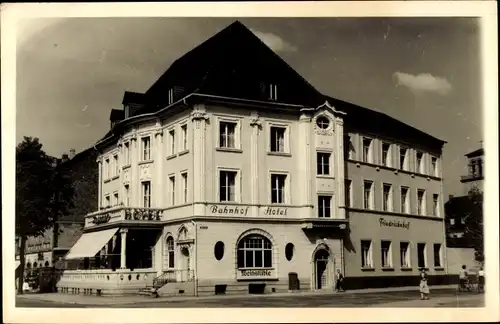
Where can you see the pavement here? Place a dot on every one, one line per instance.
(441, 296)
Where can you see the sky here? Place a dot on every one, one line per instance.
(422, 71)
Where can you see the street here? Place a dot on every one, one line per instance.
(439, 298)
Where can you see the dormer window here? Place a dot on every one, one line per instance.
(273, 92)
(170, 96)
(127, 112)
(322, 122)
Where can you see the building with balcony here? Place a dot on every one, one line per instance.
(235, 175)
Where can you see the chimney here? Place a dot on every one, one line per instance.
(72, 153)
(64, 157)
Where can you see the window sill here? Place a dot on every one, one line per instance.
(107, 180)
(115, 177)
(126, 166)
(171, 156)
(367, 269)
(145, 162)
(325, 176)
(279, 154)
(186, 151)
(439, 268)
(229, 149)
(406, 269)
(387, 269)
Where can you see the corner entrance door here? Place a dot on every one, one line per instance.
(321, 269)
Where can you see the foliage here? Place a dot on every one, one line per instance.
(42, 193)
(474, 224)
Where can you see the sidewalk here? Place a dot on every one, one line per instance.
(450, 301)
(137, 299)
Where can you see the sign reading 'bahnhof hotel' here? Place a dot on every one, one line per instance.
(235, 175)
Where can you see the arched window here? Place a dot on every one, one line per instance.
(255, 251)
(171, 252)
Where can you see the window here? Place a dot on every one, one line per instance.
(386, 154)
(435, 204)
(146, 149)
(106, 169)
(348, 192)
(273, 92)
(127, 195)
(172, 189)
(171, 136)
(366, 254)
(278, 139)
(420, 163)
(402, 158)
(322, 122)
(434, 170)
(404, 250)
(146, 194)
(227, 134)
(422, 262)
(107, 201)
(289, 249)
(254, 251)
(385, 249)
(126, 153)
(184, 187)
(171, 252)
(367, 150)
(278, 188)
(324, 206)
(405, 203)
(452, 221)
(227, 185)
(368, 195)
(115, 196)
(115, 161)
(170, 96)
(352, 151)
(437, 256)
(219, 250)
(184, 137)
(323, 163)
(420, 202)
(387, 197)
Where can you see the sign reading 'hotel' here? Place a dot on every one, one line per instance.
(243, 210)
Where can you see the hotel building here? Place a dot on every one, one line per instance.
(231, 175)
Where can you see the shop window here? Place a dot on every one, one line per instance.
(171, 252)
(289, 249)
(255, 251)
(219, 250)
(366, 254)
(404, 248)
(422, 262)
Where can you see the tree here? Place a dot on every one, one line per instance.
(474, 224)
(42, 194)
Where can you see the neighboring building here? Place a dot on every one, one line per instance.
(475, 176)
(236, 175)
(459, 213)
(81, 169)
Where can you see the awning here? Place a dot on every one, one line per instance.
(90, 243)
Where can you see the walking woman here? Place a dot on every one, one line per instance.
(424, 287)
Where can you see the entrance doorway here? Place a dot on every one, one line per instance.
(185, 265)
(321, 259)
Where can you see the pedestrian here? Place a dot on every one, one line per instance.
(463, 278)
(340, 281)
(424, 287)
(480, 280)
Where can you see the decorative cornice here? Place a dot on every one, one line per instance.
(255, 121)
(159, 132)
(199, 115)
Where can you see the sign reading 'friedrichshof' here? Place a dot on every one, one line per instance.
(243, 210)
(400, 224)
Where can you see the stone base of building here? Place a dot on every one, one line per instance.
(233, 287)
(353, 283)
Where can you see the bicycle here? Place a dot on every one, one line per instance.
(465, 286)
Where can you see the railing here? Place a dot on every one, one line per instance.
(116, 213)
(173, 276)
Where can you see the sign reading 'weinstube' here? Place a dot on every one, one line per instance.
(387, 223)
(255, 273)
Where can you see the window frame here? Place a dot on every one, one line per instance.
(367, 261)
(144, 140)
(286, 137)
(320, 165)
(387, 162)
(286, 190)
(348, 192)
(172, 188)
(440, 255)
(172, 145)
(126, 153)
(185, 186)
(237, 184)
(184, 137)
(328, 206)
(126, 188)
(390, 201)
(371, 205)
(424, 255)
(436, 210)
(403, 165)
(407, 256)
(389, 261)
(143, 193)
(351, 154)
(170, 252)
(407, 205)
(420, 167)
(237, 132)
(435, 166)
(422, 205)
(244, 247)
(369, 158)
